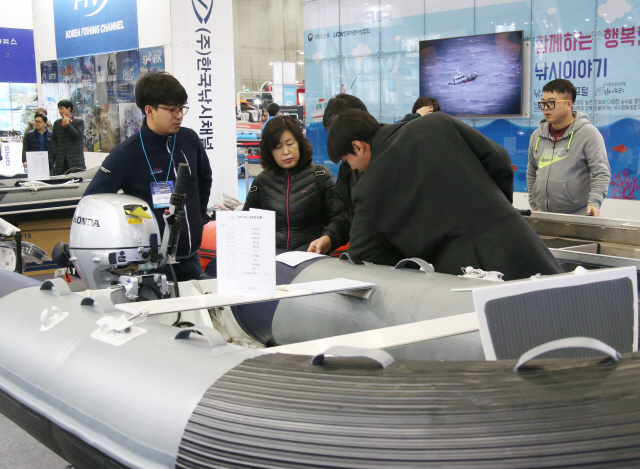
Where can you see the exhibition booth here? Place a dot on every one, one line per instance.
(292, 358)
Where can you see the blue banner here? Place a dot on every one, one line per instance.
(85, 27)
(17, 56)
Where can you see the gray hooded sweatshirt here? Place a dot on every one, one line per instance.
(566, 176)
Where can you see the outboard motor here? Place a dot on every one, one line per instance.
(112, 235)
(115, 240)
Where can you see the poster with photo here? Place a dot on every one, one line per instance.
(86, 79)
(128, 66)
(67, 71)
(87, 115)
(130, 120)
(49, 71)
(5, 121)
(128, 73)
(52, 94)
(104, 128)
(24, 102)
(151, 60)
(5, 108)
(106, 77)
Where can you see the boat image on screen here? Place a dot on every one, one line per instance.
(474, 75)
(462, 78)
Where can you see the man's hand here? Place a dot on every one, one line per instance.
(321, 245)
(424, 110)
(24, 164)
(65, 120)
(593, 211)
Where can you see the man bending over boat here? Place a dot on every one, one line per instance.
(436, 189)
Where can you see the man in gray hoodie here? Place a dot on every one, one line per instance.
(568, 170)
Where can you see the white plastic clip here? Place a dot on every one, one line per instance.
(116, 330)
(51, 318)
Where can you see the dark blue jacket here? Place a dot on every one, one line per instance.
(127, 168)
(31, 142)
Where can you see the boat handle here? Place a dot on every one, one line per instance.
(57, 286)
(569, 342)
(382, 357)
(214, 338)
(424, 265)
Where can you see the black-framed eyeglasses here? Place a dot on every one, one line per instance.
(550, 104)
(175, 111)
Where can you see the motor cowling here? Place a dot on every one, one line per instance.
(111, 231)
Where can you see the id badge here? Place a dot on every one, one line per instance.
(161, 193)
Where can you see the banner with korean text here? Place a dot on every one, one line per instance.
(202, 43)
(85, 27)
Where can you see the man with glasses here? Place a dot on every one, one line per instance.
(568, 170)
(146, 164)
(37, 139)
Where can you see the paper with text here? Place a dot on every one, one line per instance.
(37, 165)
(293, 258)
(246, 252)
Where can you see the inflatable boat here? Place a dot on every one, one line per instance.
(105, 393)
(58, 197)
(106, 379)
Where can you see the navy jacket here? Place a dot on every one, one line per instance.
(31, 142)
(127, 168)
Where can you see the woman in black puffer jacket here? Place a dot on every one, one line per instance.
(292, 185)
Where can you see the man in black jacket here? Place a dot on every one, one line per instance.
(149, 160)
(37, 139)
(336, 234)
(422, 107)
(452, 208)
(67, 150)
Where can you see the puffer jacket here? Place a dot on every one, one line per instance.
(67, 141)
(294, 194)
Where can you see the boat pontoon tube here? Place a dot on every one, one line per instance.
(196, 402)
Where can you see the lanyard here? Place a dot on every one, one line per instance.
(175, 137)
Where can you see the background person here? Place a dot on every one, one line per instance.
(273, 110)
(454, 207)
(568, 169)
(422, 107)
(42, 111)
(337, 232)
(37, 139)
(293, 186)
(150, 159)
(66, 149)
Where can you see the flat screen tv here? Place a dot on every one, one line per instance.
(474, 75)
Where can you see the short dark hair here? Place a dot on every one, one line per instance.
(41, 110)
(43, 117)
(65, 103)
(337, 104)
(561, 86)
(159, 88)
(271, 138)
(423, 101)
(273, 109)
(350, 125)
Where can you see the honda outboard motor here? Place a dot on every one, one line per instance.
(112, 232)
(115, 240)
